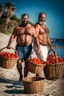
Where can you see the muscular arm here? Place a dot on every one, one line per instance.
(37, 29)
(36, 39)
(50, 44)
(12, 38)
(49, 41)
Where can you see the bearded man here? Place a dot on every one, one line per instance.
(24, 33)
(43, 36)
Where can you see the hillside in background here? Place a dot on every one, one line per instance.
(8, 20)
(14, 21)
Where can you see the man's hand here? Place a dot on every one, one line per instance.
(9, 47)
(52, 49)
(38, 51)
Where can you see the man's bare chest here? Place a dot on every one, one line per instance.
(43, 30)
(24, 31)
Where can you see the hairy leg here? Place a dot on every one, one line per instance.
(26, 69)
(19, 67)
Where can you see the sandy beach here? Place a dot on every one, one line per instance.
(11, 86)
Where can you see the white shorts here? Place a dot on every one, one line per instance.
(44, 52)
(43, 56)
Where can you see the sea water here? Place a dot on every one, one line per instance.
(59, 50)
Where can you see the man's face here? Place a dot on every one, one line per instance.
(42, 19)
(25, 19)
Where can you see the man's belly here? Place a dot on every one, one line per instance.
(43, 42)
(24, 40)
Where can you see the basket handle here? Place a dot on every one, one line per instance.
(10, 48)
(56, 56)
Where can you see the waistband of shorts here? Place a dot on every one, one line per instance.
(24, 45)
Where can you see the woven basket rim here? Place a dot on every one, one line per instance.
(33, 81)
(37, 64)
(56, 64)
(8, 58)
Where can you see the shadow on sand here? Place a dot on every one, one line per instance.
(13, 87)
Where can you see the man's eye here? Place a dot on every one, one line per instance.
(25, 18)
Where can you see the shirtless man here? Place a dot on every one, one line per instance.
(24, 33)
(43, 37)
(42, 33)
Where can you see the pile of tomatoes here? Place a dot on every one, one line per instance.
(52, 60)
(8, 55)
(36, 60)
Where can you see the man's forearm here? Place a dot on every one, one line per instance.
(49, 42)
(11, 40)
(37, 43)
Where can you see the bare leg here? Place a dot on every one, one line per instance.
(37, 75)
(26, 69)
(19, 67)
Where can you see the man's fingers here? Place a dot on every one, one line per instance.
(38, 52)
(8, 47)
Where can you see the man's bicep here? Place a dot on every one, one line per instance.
(37, 29)
(49, 40)
(34, 33)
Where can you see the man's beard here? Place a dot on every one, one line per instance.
(23, 24)
(42, 23)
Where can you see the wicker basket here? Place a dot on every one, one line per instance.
(33, 84)
(7, 63)
(35, 68)
(54, 71)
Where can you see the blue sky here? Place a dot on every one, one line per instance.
(53, 8)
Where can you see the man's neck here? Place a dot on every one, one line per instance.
(28, 25)
(41, 24)
(23, 25)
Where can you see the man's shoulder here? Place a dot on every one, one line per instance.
(32, 28)
(29, 25)
(37, 25)
(16, 27)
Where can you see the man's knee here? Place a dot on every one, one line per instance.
(26, 63)
(19, 62)
(19, 66)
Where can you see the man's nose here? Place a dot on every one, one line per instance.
(44, 19)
